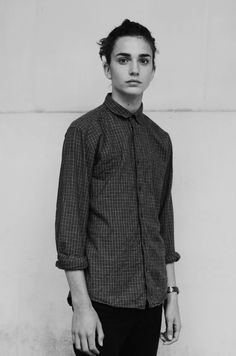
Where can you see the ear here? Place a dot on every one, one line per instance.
(107, 70)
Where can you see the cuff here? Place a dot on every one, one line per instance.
(71, 263)
(172, 257)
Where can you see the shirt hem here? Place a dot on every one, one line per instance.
(127, 307)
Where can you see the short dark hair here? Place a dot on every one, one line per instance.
(127, 28)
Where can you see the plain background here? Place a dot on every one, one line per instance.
(50, 74)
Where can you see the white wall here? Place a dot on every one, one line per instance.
(50, 72)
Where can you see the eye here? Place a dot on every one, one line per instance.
(144, 60)
(123, 60)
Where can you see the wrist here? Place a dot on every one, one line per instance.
(172, 296)
(172, 293)
(172, 289)
(81, 303)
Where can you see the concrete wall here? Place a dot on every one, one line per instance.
(50, 72)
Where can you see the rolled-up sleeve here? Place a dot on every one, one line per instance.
(72, 205)
(166, 215)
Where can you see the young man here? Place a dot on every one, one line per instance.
(114, 218)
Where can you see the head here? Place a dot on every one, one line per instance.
(127, 28)
(128, 53)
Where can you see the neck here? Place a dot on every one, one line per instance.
(131, 103)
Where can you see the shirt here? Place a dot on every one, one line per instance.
(114, 211)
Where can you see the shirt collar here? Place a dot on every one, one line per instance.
(118, 109)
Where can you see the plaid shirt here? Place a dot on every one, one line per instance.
(114, 215)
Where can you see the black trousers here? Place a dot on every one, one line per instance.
(128, 331)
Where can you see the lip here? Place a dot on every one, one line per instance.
(133, 81)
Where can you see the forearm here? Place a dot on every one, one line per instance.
(86, 325)
(78, 288)
(171, 308)
(171, 279)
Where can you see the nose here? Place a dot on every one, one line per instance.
(134, 68)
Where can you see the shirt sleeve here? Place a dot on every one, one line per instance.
(73, 202)
(166, 215)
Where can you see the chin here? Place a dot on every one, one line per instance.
(133, 91)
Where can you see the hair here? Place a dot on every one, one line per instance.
(127, 28)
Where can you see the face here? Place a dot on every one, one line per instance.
(131, 67)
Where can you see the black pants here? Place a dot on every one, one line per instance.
(128, 331)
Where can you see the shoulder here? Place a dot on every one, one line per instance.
(86, 129)
(157, 131)
(88, 121)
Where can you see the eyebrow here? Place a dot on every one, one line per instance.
(128, 55)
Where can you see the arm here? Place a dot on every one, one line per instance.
(166, 216)
(171, 308)
(71, 225)
(78, 288)
(73, 202)
(85, 321)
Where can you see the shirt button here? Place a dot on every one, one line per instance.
(139, 188)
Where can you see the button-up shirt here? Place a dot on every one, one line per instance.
(114, 213)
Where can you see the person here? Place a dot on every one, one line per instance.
(114, 212)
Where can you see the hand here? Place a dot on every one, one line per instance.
(85, 323)
(172, 319)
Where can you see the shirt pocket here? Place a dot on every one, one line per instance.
(107, 165)
(105, 171)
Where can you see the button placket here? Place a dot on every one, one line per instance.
(138, 176)
(139, 179)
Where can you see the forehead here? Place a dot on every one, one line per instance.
(132, 45)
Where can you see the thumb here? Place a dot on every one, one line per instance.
(100, 333)
(170, 330)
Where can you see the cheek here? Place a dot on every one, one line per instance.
(119, 75)
(148, 77)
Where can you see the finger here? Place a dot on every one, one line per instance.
(170, 330)
(76, 342)
(100, 333)
(169, 342)
(177, 328)
(162, 337)
(165, 339)
(176, 334)
(76, 350)
(91, 344)
(84, 346)
(73, 337)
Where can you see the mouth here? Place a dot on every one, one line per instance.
(133, 81)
